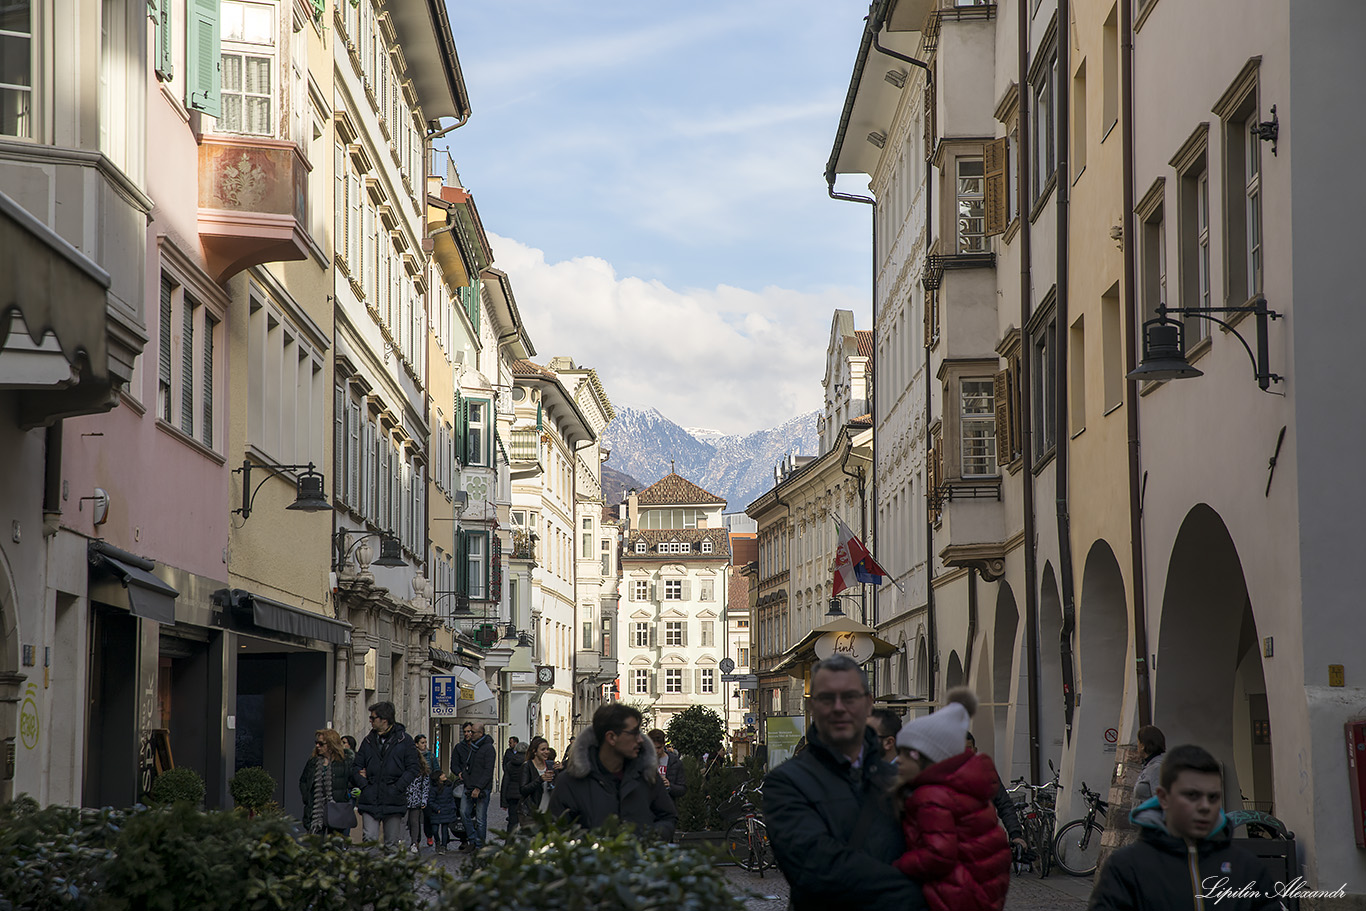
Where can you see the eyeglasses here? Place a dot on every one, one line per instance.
(319, 743)
(848, 698)
(629, 732)
(374, 718)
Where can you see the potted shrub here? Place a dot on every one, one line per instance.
(252, 789)
(178, 786)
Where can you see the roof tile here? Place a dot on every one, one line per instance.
(675, 490)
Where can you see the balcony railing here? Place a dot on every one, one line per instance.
(253, 202)
(524, 445)
(523, 546)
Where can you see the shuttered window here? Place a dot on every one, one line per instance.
(995, 156)
(168, 287)
(248, 68)
(203, 89)
(187, 366)
(206, 382)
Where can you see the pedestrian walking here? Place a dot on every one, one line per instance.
(513, 762)
(955, 846)
(1152, 744)
(1185, 856)
(1005, 807)
(418, 793)
(443, 809)
(327, 778)
(612, 771)
(670, 766)
(829, 810)
(538, 780)
(478, 781)
(386, 763)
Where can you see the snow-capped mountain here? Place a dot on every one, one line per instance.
(738, 467)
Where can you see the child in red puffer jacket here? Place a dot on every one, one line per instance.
(955, 846)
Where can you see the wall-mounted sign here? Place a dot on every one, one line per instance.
(442, 703)
(858, 646)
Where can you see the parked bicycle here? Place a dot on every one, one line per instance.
(747, 839)
(1036, 803)
(1077, 847)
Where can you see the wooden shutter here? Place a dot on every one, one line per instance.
(462, 563)
(654, 591)
(687, 590)
(352, 452)
(929, 119)
(654, 683)
(683, 633)
(164, 333)
(654, 637)
(462, 429)
(187, 366)
(338, 438)
(206, 380)
(994, 157)
(687, 681)
(203, 53)
(1005, 445)
(160, 10)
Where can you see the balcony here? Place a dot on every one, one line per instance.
(524, 445)
(253, 202)
(587, 663)
(524, 546)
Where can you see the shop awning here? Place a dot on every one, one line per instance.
(440, 657)
(284, 618)
(125, 580)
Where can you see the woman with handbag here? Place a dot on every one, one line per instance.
(325, 786)
(538, 779)
(418, 792)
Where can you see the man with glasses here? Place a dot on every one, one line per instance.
(385, 765)
(887, 724)
(828, 809)
(612, 771)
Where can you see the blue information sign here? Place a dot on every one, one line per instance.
(443, 696)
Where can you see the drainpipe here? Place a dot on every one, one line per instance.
(1061, 418)
(972, 625)
(1031, 571)
(433, 133)
(1138, 581)
(860, 477)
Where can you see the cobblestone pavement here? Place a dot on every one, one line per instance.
(1061, 892)
(766, 894)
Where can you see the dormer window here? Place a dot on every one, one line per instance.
(706, 547)
(641, 547)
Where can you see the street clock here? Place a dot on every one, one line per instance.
(726, 665)
(545, 674)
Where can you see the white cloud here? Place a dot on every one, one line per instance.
(722, 357)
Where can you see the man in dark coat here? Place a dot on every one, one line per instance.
(1184, 857)
(670, 765)
(829, 811)
(513, 760)
(386, 763)
(612, 772)
(481, 757)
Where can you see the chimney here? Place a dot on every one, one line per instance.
(633, 510)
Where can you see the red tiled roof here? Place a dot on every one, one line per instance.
(527, 368)
(737, 594)
(865, 342)
(720, 543)
(744, 546)
(675, 490)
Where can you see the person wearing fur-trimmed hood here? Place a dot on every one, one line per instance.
(611, 771)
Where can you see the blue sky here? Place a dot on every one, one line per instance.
(650, 174)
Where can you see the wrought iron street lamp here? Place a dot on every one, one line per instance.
(309, 496)
(1164, 354)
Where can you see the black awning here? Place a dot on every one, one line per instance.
(295, 621)
(125, 580)
(441, 657)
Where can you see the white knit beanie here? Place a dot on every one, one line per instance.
(944, 733)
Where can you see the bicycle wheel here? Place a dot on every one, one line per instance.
(1077, 847)
(738, 846)
(763, 848)
(1044, 847)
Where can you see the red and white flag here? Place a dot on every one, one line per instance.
(854, 562)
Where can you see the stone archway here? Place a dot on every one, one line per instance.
(953, 675)
(1208, 686)
(1008, 664)
(1103, 648)
(1052, 721)
(922, 667)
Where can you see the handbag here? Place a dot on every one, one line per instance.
(341, 814)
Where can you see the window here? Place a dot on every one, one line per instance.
(742, 657)
(706, 547)
(977, 427)
(606, 636)
(1242, 189)
(673, 590)
(1076, 351)
(708, 589)
(1193, 240)
(474, 544)
(971, 206)
(1079, 121)
(1110, 319)
(185, 363)
(640, 682)
(587, 539)
(706, 680)
(1110, 76)
(476, 432)
(1043, 89)
(708, 633)
(16, 69)
(673, 680)
(674, 633)
(1045, 367)
(742, 623)
(1153, 252)
(586, 642)
(248, 66)
(640, 635)
(606, 557)
(640, 590)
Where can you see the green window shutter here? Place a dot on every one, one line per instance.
(160, 11)
(203, 50)
(462, 562)
(187, 367)
(338, 439)
(206, 379)
(164, 350)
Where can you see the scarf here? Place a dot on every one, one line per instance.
(322, 793)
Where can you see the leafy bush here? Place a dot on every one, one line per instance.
(707, 805)
(696, 731)
(52, 857)
(608, 869)
(252, 789)
(178, 786)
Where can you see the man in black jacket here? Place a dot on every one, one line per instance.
(828, 809)
(480, 757)
(670, 766)
(386, 763)
(1005, 807)
(1184, 857)
(612, 772)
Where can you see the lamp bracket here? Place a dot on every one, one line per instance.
(1268, 130)
(249, 493)
(343, 549)
(1257, 308)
